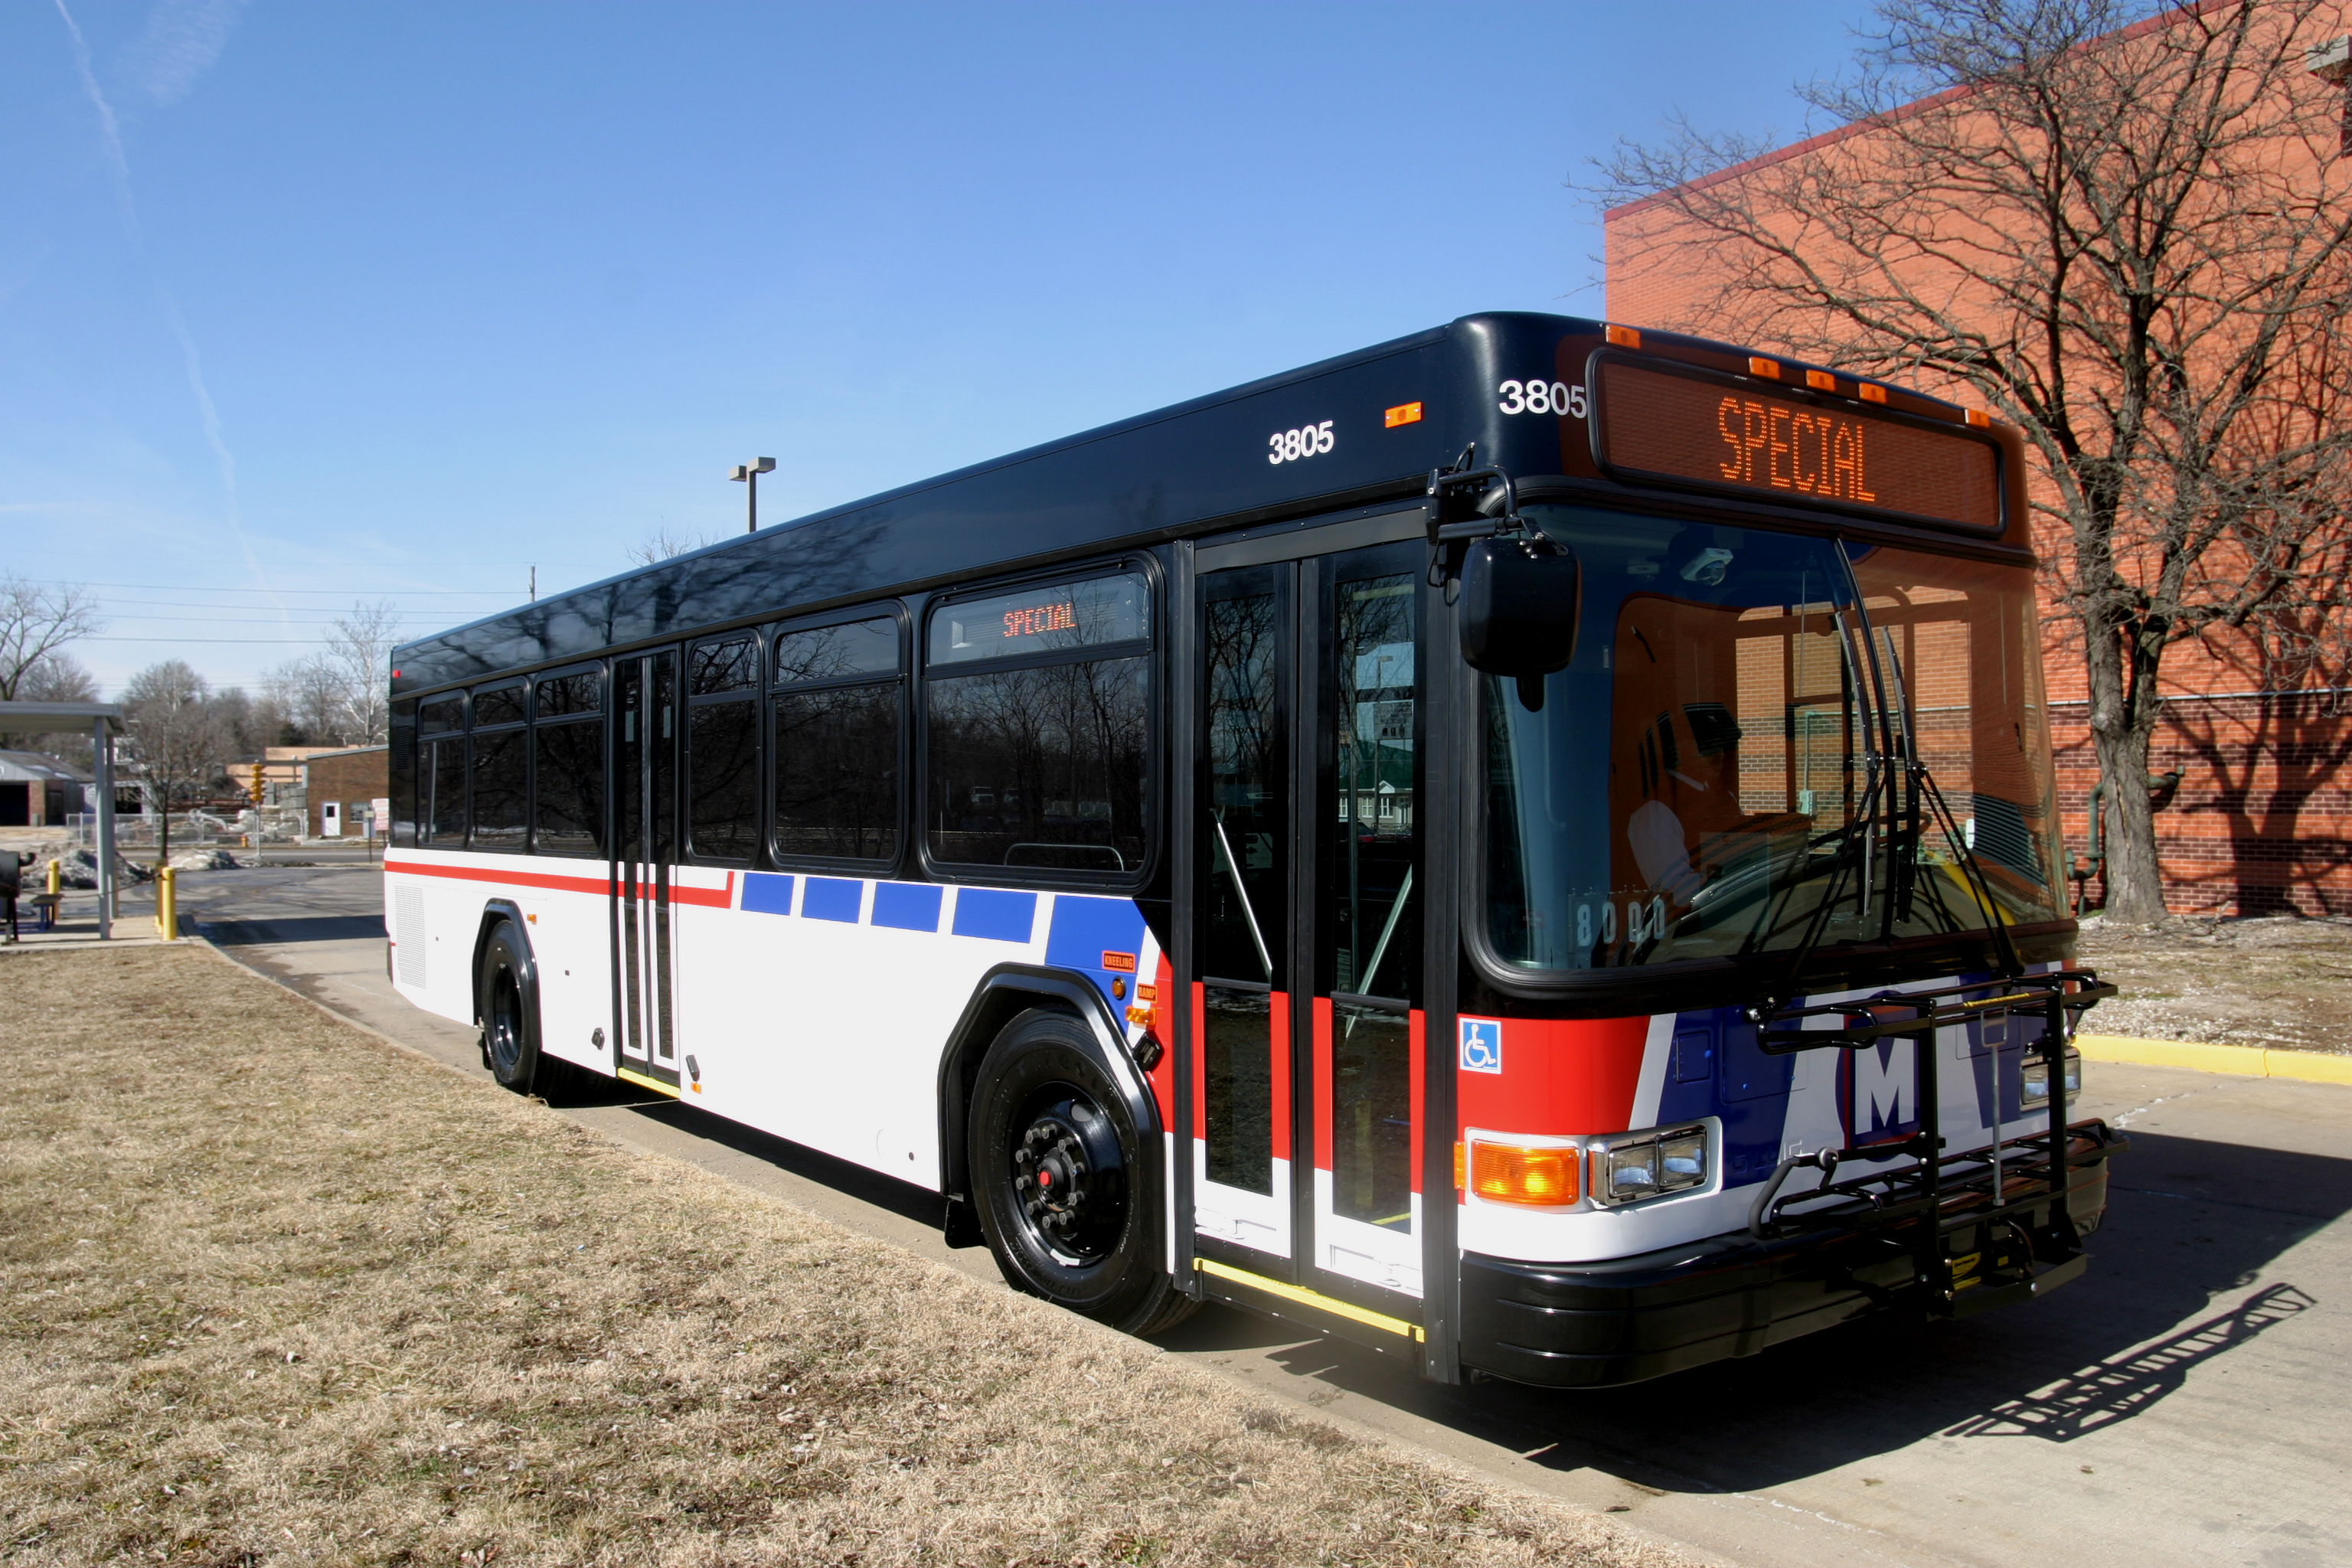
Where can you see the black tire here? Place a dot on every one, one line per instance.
(508, 1009)
(1067, 1190)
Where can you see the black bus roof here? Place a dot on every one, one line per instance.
(1394, 411)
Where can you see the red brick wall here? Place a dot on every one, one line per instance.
(350, 777)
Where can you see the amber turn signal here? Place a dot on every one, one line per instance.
(1540, 1178)
(1624, 337)
(1402, 414)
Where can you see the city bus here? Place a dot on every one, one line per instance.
(1531, 847)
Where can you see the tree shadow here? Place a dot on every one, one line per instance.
(2192, 1225)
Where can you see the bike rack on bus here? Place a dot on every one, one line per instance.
(2003, 1187)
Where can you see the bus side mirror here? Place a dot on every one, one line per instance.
(1518, 610)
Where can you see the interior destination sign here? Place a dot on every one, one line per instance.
(1737, 438)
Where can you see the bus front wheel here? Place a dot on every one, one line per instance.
(1065, 1188)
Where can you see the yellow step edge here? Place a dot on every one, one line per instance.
(642, 1081)
(2251, 1061)
(1307, 1298)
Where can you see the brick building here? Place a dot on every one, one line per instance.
(338, 785)
(2248, 773)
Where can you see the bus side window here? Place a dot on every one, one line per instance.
(568, 764)
(722, 749)
(1038, 709)
(839, 714)
(441, 773)
(403, 763)
(500, 817)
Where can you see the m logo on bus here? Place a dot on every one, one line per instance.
(1883, 1106)
(1482, 1044)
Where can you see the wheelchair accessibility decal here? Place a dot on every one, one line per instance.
(1482, 1044)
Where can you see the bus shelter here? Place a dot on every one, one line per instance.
(104, 721)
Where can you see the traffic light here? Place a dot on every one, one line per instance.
(254, 793)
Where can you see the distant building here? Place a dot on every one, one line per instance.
(338, 786)
(38, 790)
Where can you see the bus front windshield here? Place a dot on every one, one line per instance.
(1719, 771)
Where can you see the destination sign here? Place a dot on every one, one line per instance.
(1732, 436)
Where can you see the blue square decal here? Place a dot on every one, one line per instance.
(832, 899)
(765, 893)
(994, 914)
(908, 906)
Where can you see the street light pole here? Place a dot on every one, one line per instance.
(748, 474)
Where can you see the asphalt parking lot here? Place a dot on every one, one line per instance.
(2170, 1407)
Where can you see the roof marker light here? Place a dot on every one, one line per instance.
(1758, 366)
(1821, 380)
(1623, 337)
(1402, 414)
(1979, 418)
(1871, 393)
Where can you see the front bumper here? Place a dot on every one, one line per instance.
(1623, 1319)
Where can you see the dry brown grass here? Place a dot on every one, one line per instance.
(278, 1294)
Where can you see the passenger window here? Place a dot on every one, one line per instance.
(568, 765)
(722, 749)
(836, 734)
(1038, 754)
(501, 781)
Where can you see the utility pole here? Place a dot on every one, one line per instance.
(535, 582)
(748, 474)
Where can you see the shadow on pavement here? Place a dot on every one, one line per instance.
(293, 929)
(2191, 1237)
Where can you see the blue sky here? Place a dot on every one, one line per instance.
(335, 301)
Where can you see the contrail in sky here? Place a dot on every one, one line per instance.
(111, 133)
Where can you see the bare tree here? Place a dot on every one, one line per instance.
(2127, 233)
(661, 544)
(175, 735)
(35, 622)
(341, 694)
(360, 652)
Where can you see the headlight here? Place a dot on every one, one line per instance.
(2034, 1090)
(1650, 1164)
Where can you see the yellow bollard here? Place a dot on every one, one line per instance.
(56, 877)
(167, 909)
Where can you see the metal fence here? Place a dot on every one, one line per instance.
(196, 829)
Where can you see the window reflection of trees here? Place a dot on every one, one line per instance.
(1040, 767)
(1246, 793)
(837, 771)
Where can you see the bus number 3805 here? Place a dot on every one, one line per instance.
(1542, 397)
(1289, 446)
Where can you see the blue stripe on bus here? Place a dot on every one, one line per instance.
(832, 899)
(908, 906)
(994, 914)
(765, 893)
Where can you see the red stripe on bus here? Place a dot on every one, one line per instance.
(1279, 1048)
(1322, 1083)
(709, 897)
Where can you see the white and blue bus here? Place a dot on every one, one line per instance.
(1532, 847)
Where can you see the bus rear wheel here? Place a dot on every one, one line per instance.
(1065, 1187)
(508, 1009)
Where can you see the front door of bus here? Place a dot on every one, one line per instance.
(1306, 936)
(644, 838)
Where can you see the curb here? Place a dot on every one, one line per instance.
(2251, 1061)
